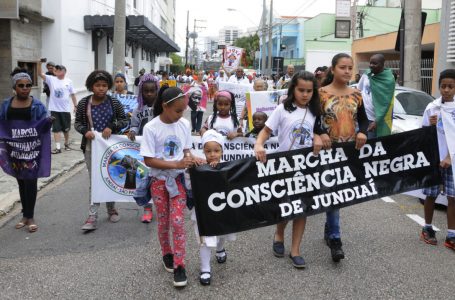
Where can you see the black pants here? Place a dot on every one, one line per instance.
(196, 120)
(28, 189)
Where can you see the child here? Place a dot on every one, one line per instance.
(224, 118)
(148, 90)
(165, 148)
(98, 112)
(433, 116)
(259, 119)
(297, 121)
(212, 142)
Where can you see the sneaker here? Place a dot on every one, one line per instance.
(113, 215)
(179, 277)
(204, 278)
(56, 151)
(428, 235)
(168, 262)
(336, 250)
(450, 243)
(221, 256)
(297, 261)
(278, 249)
(147, 216)
(90, 224)
(67, 147)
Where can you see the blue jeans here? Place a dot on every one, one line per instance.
(333, 224)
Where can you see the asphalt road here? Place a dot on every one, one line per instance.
(385, 258)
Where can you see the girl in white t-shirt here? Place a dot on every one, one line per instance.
(224, 118)
(297, 121)
(166, 150)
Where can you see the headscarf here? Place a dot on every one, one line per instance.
(223, 94)
(18, 76)
(147, 77)
(212, 135)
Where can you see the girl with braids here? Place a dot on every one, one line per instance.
(142, 114)
(224, 119)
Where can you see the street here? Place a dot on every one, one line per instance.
(384, 256)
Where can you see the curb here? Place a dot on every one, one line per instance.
(9, 200)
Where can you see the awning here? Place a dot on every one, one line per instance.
(139, 29)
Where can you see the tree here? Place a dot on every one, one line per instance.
(177, 63)
(251, 45)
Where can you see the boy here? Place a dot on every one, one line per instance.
(434, 116)
(259, 119)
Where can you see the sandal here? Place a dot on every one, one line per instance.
(56, 151)
(32, 228)
(220, 258)
(20, 225)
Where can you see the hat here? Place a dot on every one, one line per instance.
(50, 63)
(60, 67)
(212, 136)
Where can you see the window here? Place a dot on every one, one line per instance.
(135, 4)
(163, 24)
(31, 70)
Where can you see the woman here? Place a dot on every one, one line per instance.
(197, 102)
(24, 107)
(344, 118)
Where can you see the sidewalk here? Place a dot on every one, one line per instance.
(60, 164)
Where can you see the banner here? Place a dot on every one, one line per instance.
(263, 101)
(129, 102)
(247, 194)
(117, 165)
(239, 91)
(232, 56)
(25, 148)
(168, 82)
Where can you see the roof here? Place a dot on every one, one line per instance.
(139, 29)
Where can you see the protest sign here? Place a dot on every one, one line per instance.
(247, 194)
(129, 102)
(263, 101)
(239, 91)
(232, 57)
(168, 82)
(25, 148)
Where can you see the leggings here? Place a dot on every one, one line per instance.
(28, 188)
(170, 212)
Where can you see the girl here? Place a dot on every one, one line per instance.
(297, 121)
(148, 91)
(22, 106)
(165, 148)
(212, 143)
(98, 112)
(224, 119)
(121, 87)
(344, 118)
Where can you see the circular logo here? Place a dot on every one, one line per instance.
(122, 166)
(302, 135)
(172, 147)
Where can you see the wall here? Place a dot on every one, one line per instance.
(5, 59)
(319, 58)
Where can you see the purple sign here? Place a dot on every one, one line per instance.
(25, 148)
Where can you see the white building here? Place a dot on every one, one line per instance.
(78, 35)
(228, 35)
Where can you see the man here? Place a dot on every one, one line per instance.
(287, 77)
(239, 77)
(220, 78)
(50, 71)
(138, 78)
(378, 87)
(61, 90)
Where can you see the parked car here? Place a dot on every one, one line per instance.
(408, 109)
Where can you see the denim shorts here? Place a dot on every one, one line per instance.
(447, 180)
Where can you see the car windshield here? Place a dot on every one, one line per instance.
(411, 103)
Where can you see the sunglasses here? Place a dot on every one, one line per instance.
(21, 85)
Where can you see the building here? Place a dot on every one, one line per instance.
(228, 35)
(79, 34)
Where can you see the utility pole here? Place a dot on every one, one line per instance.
(264, 30)
(187, 37)
(119, 37)
(269, 61)
(354, 19)
(412, 43)
(194, 39)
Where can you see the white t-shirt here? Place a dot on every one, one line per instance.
(221, 79)
(243, 80)
(222, 125)
(364, 87)
(165, 141)
(434, 108)
(290, 126)
(59, 98)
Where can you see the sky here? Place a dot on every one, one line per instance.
(247, 13)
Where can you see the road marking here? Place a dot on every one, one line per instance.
(388, 200)
(421, 221)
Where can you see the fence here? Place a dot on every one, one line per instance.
(426, 71)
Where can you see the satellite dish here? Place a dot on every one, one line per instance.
(192, 35)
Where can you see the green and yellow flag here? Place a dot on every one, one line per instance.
(382, 90)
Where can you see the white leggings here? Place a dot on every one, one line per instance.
(205, 254)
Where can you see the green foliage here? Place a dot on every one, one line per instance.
(177, 63)
(251, 45)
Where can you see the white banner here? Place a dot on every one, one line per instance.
(117, 166)
(239, 91)
(264, 101)
(232, 57)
